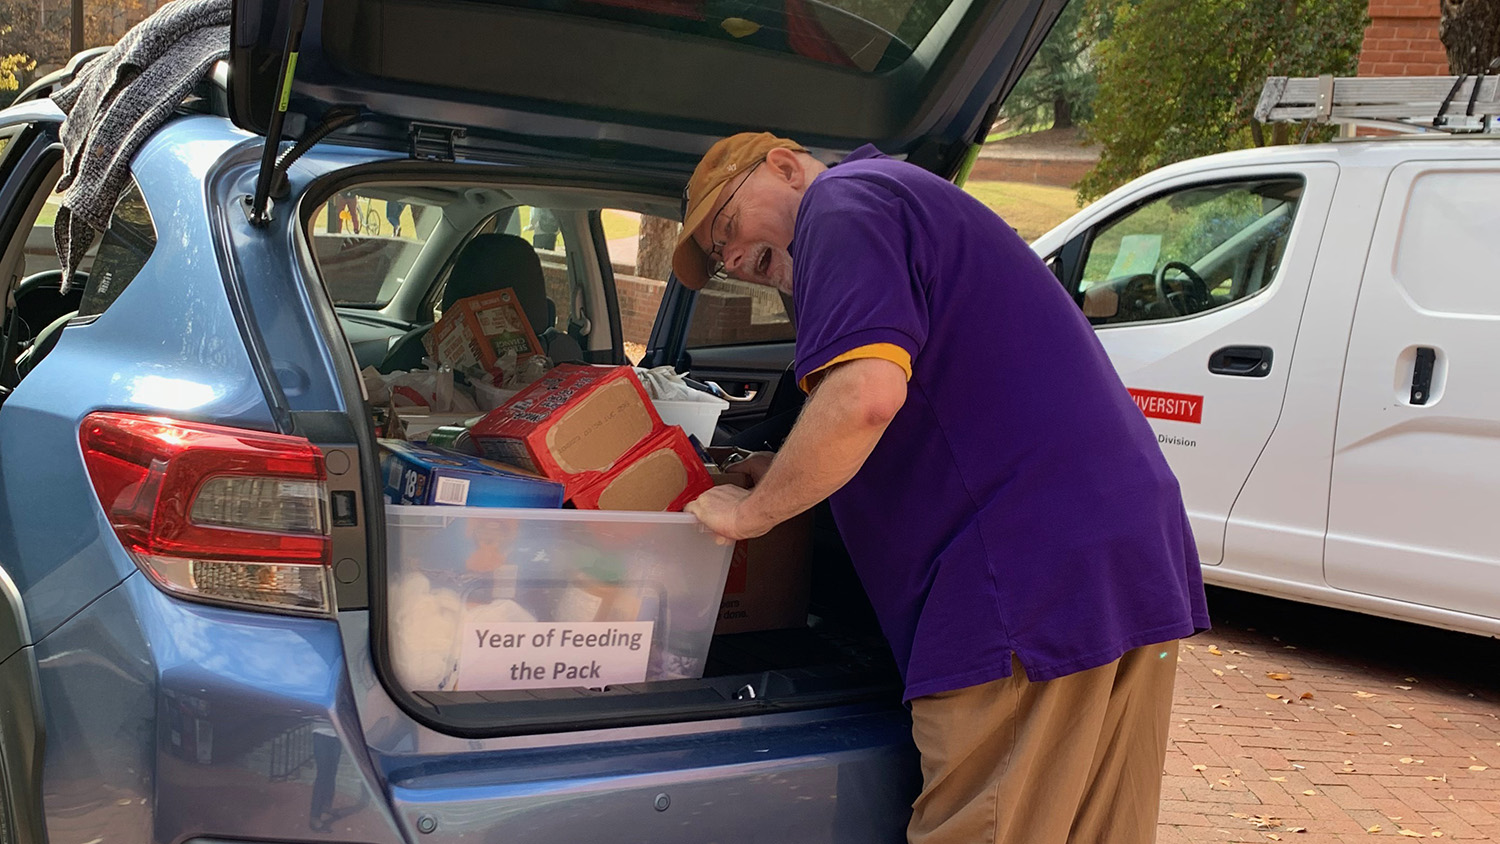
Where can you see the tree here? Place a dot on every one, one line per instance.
(1180, 78)
(1470, 32)
(35, 36)
(654, 247)
(1058, 85)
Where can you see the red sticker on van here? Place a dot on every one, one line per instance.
(1178, 407)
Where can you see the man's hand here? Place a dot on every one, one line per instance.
(719, 511)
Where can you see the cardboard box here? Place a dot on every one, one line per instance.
(664, 473)
(573, 425)
(418, 474)
(770, 577)
(479, 330)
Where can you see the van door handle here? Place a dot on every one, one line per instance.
(1245, 361)
(1421, 375)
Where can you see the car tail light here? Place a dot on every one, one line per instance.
(213, 513)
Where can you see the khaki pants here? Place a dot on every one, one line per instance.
(1077, 759)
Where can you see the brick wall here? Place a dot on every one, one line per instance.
(640, 299)
(1402, 40)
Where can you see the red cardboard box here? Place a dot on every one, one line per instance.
(662, 474)
(573, 425)
(480, 329)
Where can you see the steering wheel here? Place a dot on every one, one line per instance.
(1191, 298)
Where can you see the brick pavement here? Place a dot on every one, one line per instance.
(1339, 741)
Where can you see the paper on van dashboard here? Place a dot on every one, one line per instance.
(1138, 254)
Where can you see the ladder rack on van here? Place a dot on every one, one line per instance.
(1451, 104)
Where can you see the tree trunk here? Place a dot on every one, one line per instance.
(1470, 32)
(1062, 113)
(654, 247)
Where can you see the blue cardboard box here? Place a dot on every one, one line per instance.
(420, 474)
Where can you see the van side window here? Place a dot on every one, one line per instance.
(1188, 252)
(125, 247)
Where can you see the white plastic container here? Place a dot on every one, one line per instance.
(697, 417)
(490, 599)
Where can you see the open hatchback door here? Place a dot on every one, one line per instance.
(642, 83)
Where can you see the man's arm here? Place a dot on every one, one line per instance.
(844, 418)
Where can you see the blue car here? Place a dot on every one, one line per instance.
(195, 639)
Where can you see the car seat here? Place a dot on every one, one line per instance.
(487, 263)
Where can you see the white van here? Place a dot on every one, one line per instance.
(1314, 333)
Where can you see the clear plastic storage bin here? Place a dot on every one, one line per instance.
(489, 599)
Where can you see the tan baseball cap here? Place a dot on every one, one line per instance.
(726, 159)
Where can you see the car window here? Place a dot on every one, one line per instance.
(123, 250)
(366, 240)
(736, 313)
(725, 312)
(640, 249)
(1188, 251)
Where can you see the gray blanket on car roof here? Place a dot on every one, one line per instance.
(117, 102)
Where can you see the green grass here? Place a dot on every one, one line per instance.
(1031, 209)
(618, 225)
(48, 215)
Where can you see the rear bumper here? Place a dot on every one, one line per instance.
(172, 721)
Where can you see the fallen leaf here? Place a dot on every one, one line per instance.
(1278, 779)
(1296, 829)
(1386, 743)
(1394, 726)
(1479, 767)
(1290, 647)
(1411, 833)
(1310, 792)
(1406, 760)
(1364, 695)
(1411, 679)
(1238, 653)
(1217, 672)
(1200, 767)
(1235, 771)
(1217, 706)
(1404, 688)
(1437, 833)
(1231, 667)
(1306, 696)
(1241, 815)
(1443, 778)
(1276, 675)
(1273, 696)
(1374, 829)
(1341, 707)
(1348, 761)
(1214, 649)
(1273, 836)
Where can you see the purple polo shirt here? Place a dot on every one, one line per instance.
(1019, 502)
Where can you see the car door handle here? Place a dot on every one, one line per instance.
(1245, 361)
(724, 394)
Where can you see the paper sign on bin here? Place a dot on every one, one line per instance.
(548, 655)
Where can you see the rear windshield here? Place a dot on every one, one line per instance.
(869, 35)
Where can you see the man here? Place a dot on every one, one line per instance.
(1009, 512)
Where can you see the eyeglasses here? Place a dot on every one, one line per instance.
(716, 253)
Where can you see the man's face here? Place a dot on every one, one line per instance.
(750, 228)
